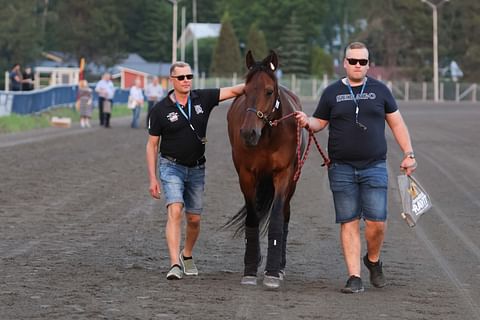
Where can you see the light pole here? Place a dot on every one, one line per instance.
(174, 32)
(195, 42)
(435, 45)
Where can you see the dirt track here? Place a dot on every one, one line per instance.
(81, 238)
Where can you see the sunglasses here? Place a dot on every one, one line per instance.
(363, 62)
(183, 76)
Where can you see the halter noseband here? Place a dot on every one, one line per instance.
(263, 116)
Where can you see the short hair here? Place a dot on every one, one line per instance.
(355, 45)
(178, 64)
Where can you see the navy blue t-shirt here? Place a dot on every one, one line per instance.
(347, 141)
(178, 140)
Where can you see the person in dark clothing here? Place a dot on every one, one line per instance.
(180, 119)
(28, 79)
(355, 110)
(15, 78)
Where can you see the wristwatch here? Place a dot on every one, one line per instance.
(410, 155)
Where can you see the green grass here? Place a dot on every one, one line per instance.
(18, 123)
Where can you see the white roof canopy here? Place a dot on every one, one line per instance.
(200, 30)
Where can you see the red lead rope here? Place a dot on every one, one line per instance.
(311, 136)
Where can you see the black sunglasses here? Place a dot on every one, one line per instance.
(363, 62)
(183, 76)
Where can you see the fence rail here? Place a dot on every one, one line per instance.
(62, 95)
(29, 102)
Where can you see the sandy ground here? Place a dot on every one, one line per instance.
(80, 238)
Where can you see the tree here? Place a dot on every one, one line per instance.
(90, 29)
(205, 51)
(153, 39)
(321, 63)
(293, 52)
(20, 39)
(458, 36)
(226, 58)
(256, 42)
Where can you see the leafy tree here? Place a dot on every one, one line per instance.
(398, 36)
(321, 62)
(90, 29)
(459, 26)
(205, 50)
(256, 42)
(153, 39)
(20, 39)
(293, 53)
(226, 58)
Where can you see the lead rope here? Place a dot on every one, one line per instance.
(311, 136)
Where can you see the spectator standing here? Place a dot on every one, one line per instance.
(84, 101)
(28, 78)
(15, 77)
(135, 102)
(105, 90)
(154, 92)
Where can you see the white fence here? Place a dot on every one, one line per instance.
(312, 88)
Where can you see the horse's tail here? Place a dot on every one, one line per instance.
(264, 199)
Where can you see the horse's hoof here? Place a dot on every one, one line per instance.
(271, 282)
(249, 280)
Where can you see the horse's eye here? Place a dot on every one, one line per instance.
(269, 92)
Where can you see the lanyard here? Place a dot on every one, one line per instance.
(189, 103)
(353, 96)
(357, 109)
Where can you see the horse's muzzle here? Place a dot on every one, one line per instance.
(250, 136)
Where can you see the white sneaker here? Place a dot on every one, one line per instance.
(188, 266)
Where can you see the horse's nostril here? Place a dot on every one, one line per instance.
(250, 136)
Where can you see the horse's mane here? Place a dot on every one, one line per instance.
(257, 67)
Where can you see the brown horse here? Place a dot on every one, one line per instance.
(263, 137)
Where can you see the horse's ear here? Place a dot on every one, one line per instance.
(249, 60)
(271, 61)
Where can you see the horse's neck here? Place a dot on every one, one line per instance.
(287, 101)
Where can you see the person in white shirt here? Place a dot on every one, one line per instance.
(154, 92)
(106, 91)
(136, 99)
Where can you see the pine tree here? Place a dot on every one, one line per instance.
(226, 58)
(153, 38)
(293, 52)
(256, 42)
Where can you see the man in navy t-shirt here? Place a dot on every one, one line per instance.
(355, 110)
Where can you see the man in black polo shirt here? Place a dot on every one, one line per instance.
(355, 108)
(181, 120)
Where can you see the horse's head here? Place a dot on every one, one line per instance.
(261, 97)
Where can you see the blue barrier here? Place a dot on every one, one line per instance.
(29, 102)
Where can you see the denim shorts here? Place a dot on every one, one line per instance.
(359, 193)
(182, 184)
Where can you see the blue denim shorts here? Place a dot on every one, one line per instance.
(359, 193)
(182, 184)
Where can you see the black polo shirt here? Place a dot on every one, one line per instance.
(347, 142)
(178, 140)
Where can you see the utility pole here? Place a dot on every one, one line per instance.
(195, 43)
(435, 45)
(174, 31)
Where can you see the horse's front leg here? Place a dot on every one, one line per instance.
(276, 244)
(253, 254)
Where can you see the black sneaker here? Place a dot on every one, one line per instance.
(377, 278)
(354, 285)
